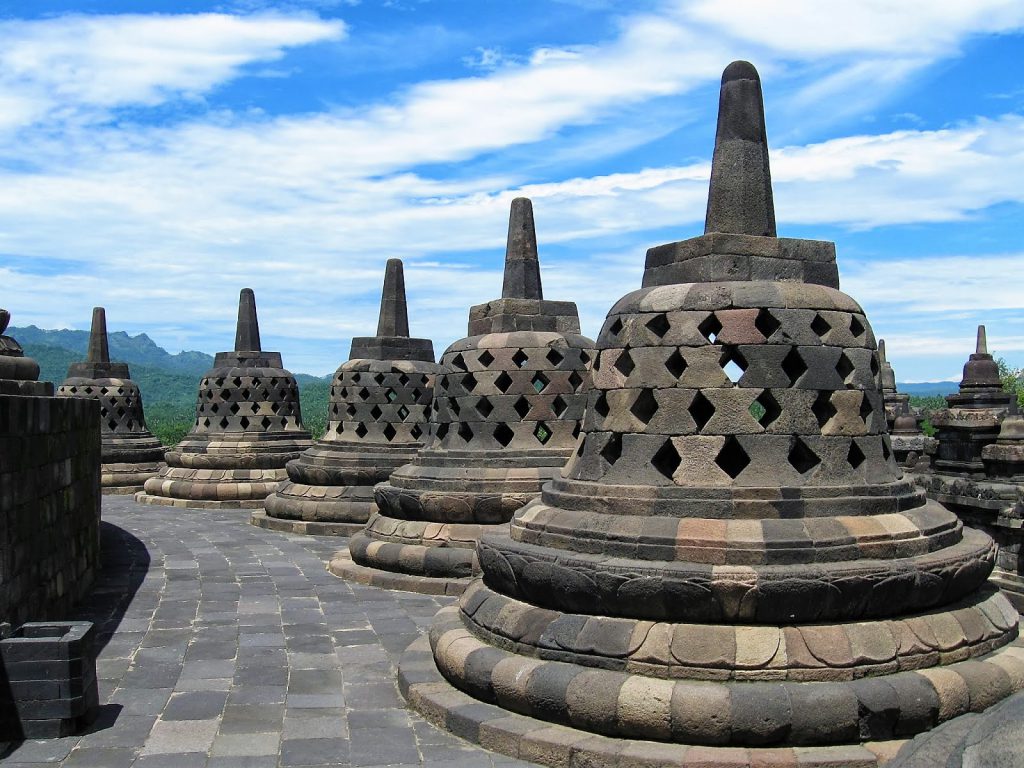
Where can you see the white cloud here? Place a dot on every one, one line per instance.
(53, 67)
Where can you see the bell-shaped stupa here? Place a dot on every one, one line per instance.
(731, 560)
(911, 447)
(972, 417)
(506, 414)
(130, 454)
(19, 374)
(248, 427)
(377, 420)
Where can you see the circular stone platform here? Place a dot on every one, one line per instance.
(344, 567)
(309, 527)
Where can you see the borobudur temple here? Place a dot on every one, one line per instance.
(377, 421)
(731, 569)
(506, 413)
(130, 453)
(248, 427)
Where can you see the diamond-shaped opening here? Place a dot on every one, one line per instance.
(820, 326)
(794, 366)
(865, 408)
(624, 364)
(236, 381)
(376, 412)
(823, 408)
(363, 393)
(214, 407)
(710, 328)
(575, 381)
(554, 357)
(224, 423)
(225, 394)
(542, 432)
(112, 425)
(355, 378)
(416, 394)
(601, 404)
(245, 394)
(379, 379)
(485, 358)
(415, 431)
(886, 453)
(659, 325)
(522, 407)
(343, 392)
(733, 364)
(766, 323)
(469, 382)
(503, 434)
(584, 357)
(273, 382)
(444, 382)
(484, 407)
(802, 458)
(575, 430)
(503, 382)
(391, 395)
(520, 358)
(855, 456)
(351, 410)
(540, 382)
(465, 432)
(390, 432)
(453, 404)
(675, 364)
(459, 362)
(701, 410)
(403, 413)
(442, 431)
(403, 379)
(645, 406)
(844, 367)
(244, 422)
(612, 449)
(666, 460)
(233, 408)
(558, 405)
(361, 430)
(856, 327)
(265, 422)
(732, 459)
(874, 364)
(616, 327)
(765, 409)
(206, 423)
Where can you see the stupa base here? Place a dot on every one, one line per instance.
(539, 741)
(127, 478)
(344, 567)
(166, 501)
(261, 519)
(212, 488)
(344, 509)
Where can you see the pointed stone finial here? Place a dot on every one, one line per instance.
(394, 314)
(99, 350)
(881, 352)
(522, 267)
(982, 348)
(247, 333)
(740, 197)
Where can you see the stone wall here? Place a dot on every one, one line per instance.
(49, 505)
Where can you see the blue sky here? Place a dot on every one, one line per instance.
(157, 156)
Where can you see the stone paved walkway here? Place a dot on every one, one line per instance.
(228, 646)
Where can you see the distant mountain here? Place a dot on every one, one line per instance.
(134, 350)
(929, 388)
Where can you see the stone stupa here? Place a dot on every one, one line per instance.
(131, 454)
(377, 421)
(972, 417)
(911, 447)
(248, 427)
(506, 414)
(731, 570)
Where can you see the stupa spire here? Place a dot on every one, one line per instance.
(522, 267)
(394, 314)
(99, 349)
(247, 333)
(740, 196)
(982, 348)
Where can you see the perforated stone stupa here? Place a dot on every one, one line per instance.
(130, 454)
(731, 560)
(377, 421)
(248, 427)
(506, 413)
(911, 447)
